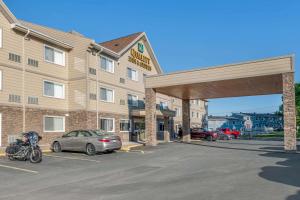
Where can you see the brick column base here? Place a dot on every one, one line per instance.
(150, 118)
(186, 136)
(289, 112)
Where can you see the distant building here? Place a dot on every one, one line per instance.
(263, 122)
(217, 122)
(256, 122)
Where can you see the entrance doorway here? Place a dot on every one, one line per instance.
(138, 134)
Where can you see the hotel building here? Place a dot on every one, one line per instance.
(53, 82)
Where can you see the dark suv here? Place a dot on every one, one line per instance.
(199, 133)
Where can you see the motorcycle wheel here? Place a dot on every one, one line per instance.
(11, 158)
(35, 156)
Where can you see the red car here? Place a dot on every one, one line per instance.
(199, 133)
(227, 131)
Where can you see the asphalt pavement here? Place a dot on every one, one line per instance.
(224, 170)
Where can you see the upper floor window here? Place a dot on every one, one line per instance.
(52, 89)
(54, 56)
(0, 37)
(107, 64)
(106, 95)
(132, 100)
(132, 74)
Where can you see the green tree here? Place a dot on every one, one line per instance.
(297, 95)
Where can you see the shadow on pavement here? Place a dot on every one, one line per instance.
(254, 144)
(285, 172)
(219, 145)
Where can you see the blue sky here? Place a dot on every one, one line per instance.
(185, 34)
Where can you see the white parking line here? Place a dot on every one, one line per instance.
(72, 158)
(20, 169)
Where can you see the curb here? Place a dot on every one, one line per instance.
(2, 153)
(129, 147)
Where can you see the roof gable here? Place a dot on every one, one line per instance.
(118, 44)
(123, 44)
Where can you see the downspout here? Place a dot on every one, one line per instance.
(98, 63)
(23, 80)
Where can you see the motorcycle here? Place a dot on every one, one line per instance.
(26, 149)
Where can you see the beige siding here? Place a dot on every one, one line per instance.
(75, 76)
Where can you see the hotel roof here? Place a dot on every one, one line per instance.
(118, 44)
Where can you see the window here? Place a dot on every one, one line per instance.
(84, 134)
(71, 134)
(133, 100)
(193, 114)
(55, 90)
(107, 124)
(197, 115)
(1, 38)
(107, 64)
(163, 105)
(132, 74)
(106, 95)
(125, 125)
(177, 110)
(54, 56)
(54, 124)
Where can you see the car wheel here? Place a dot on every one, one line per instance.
(90, 149)
(56, 147)
(209, 138)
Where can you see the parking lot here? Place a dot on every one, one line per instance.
(226, 170)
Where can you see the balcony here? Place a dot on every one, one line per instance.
(161, 111)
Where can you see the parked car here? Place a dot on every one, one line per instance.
(199, 133)
(223, 136)
(228, 131)
(88, 141)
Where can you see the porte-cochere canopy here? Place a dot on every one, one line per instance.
(259, 77)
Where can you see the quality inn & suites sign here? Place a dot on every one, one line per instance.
(137, 57)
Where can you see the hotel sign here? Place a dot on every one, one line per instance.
(137, 57)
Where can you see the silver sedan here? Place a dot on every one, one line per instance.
(88, 141)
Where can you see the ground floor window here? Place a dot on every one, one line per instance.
(54, 124)
(107, 124)
(125, 125)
